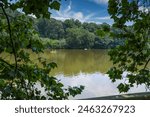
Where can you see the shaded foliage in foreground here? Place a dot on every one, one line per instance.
(133, 57)
(21, 77)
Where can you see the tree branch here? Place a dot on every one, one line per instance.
(15, 18)
(11, 40)
(147, 63)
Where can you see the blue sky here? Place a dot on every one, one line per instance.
(84, 10)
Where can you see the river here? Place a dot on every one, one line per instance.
(87, 68)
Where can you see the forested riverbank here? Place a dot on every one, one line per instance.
(73, 34)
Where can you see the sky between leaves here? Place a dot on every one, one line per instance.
(84, 10)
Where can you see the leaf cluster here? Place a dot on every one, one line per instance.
(133, 57)
(20, 76)
(40, 8)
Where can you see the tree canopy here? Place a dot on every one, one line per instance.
(37, 7)
(58, 35)
(131, 59)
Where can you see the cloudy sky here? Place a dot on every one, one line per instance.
(84, 10)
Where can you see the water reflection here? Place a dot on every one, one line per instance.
(80, 67)
(72, 62)
(87, 68)
(96, 85)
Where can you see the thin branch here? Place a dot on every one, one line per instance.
(11, 40)
(3, 61)
(15, 18)
(147, 63)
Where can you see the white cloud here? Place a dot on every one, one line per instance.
(68, 14)
(69, 7)
(100, 1)
(103, 18)
(78, 15)
(32, 15)
(89, 16)
(97, 22)
(106, 19)
(144, 9)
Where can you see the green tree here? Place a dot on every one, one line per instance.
(79, 38)
(133, 57)
(42, 26)
(71, 23)
(105, 27)
(20, 76)
(91, 27)
(50, 28)
(104, 31)
(73, 37)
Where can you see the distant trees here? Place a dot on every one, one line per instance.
(74, 34)
(91, 27)
(71, 23)
(79, 38)
(50, 28)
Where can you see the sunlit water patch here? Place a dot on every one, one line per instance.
(96, 85)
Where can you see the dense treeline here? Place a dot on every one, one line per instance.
(73, 34)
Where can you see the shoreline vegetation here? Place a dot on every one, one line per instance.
(73, 34)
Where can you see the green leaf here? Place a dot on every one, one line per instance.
(123, 87)
(55, 5)
(2, 83)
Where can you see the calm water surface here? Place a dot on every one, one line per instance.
(85, 67)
